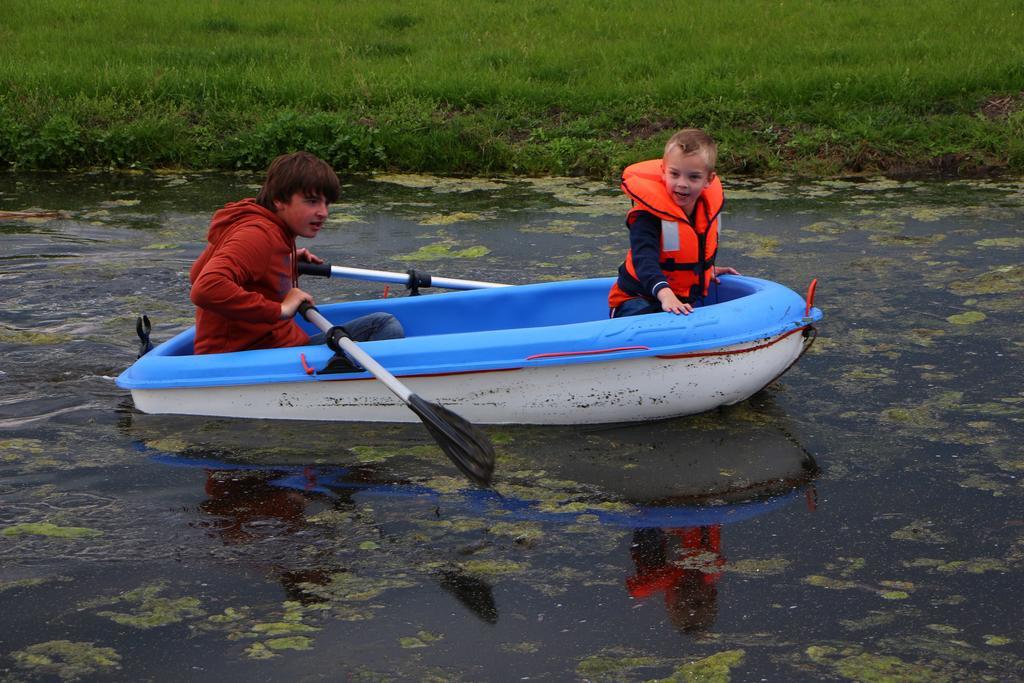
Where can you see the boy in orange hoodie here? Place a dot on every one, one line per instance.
(244, 284)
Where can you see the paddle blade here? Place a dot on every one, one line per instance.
(466, 446)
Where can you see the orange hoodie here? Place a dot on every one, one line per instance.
(240, 280)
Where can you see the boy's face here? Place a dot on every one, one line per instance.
(304, 214)
(685, 176)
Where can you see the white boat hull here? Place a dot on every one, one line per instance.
(630, 390)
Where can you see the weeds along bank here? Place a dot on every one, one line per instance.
(524, 88)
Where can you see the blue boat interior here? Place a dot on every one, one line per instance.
(540, 324)
(538, 305)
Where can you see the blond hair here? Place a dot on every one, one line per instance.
(695, 141)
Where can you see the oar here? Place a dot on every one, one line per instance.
(466, 446)
(411, 279)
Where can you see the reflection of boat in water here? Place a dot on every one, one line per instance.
(683, 472)
(333, 481)
(531, 354)
(674, 485)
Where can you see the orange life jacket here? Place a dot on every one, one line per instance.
(688, 248)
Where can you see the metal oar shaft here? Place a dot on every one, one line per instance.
(373, 367)
(421, 279)
(467, 447)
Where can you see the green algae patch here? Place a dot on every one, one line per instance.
(421, 639)
(13, 335)
(983, 483)
(520, 532)
(921, 531)
(968, 318)
(752, 567)
(290, 643)
(120, 202)
(872, 668)
(259, 651)
(1002, 280)
(443, 251)
(149, 609)
(168, 445)
(1002, 243)
(230, 615)
(449, 218)
(348, 586)
(890, 240)
(917, 416)
(336, 518)
(826, 228)
(438, 184)
(978, 565)
(827, 582)
(893, 595)
(447, 484)
(612, 667)
(373, 454)
(342, 218)
(16, 450)
(873, 375)
(872, 621)
(928, 214)
(997, 641)
(69, 661)
(28, 583)
(523, 648)
(51, 530)
(923, 336)
(714, 669)
(555, 227)
(581, 507)
(755, 246)
(281, 628)
(491, 567)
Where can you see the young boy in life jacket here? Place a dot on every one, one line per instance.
(244, 284)
(673, 229)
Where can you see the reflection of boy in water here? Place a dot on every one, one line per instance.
(243, 499)
(691, 593)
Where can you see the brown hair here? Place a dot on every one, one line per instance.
(695, 141)
(298, 172)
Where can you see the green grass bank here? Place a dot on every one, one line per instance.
(531, 87)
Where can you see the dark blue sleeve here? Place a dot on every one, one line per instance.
(645, 243)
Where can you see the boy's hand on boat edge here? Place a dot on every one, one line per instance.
(670, 303)
(722, 270)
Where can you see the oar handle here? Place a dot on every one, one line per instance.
(412, 279)
(318, 269)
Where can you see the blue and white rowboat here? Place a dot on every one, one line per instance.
(529, 354)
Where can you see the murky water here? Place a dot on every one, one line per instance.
(861, 518)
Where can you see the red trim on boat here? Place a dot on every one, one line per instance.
(737, 351)
(334, 378)
(562, 354)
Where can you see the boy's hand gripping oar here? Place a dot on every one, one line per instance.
(466, 446)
